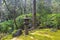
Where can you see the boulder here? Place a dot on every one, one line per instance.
(18, 33)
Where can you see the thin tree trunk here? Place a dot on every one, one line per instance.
(15, 15)
(14, 12)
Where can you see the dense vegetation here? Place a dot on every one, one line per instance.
(52, 21)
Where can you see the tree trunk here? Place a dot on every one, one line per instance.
(34, 14)
(14, 12)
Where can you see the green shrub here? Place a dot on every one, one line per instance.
(6, 26)
(20, 19)
(50, 19)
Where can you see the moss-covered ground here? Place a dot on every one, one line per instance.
(41, 34)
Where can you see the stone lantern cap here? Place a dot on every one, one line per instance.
(26, 18)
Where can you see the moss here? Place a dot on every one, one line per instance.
(42, 34)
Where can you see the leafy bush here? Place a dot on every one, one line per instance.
(51, 20)
(6, 26)
(20, 19)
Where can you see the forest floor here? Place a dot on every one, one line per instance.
(42, 34)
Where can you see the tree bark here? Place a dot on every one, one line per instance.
(34, 14)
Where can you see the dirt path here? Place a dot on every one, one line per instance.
(14, 38)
